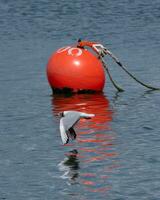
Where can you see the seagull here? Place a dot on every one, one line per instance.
(67, 122)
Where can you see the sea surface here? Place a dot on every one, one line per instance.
(117, 153)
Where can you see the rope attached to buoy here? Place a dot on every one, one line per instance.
(101, 51)
(110, 77)
(129, 73)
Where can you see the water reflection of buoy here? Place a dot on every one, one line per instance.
(97, 104)
(75, 69)
(95, 140)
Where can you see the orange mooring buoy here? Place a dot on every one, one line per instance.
(76, 69)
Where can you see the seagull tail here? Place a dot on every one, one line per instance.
(87, 116)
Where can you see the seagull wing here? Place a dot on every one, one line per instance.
(63, 132)
(70, 119)
(72, 133)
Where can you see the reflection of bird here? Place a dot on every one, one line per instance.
(70, 166)
(67, 122)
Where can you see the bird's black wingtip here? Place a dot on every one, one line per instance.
(66, 141)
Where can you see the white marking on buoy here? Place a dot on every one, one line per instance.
(71, 52)
(63, 49)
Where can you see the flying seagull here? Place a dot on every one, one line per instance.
(67, 122)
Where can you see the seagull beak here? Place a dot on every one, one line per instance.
(60, 114)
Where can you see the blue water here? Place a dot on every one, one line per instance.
(116, 154)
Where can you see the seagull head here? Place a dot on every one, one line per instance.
(61, 114)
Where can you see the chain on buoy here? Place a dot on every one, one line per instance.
(75, 68)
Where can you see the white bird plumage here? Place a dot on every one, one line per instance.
(67, 122)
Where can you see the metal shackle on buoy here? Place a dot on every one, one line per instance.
(75, 69)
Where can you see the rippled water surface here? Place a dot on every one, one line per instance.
(116, 154)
